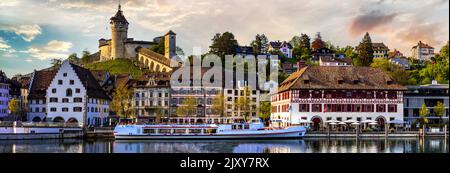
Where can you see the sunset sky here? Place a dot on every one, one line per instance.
(34, 31)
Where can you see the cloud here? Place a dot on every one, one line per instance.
(9, 3)
(369, 21)
(27, 32)
(53, 50)
(3, 45)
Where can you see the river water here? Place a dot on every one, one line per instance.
(351, 145)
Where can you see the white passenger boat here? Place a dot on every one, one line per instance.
(253, 130)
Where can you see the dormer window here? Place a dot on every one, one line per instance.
(356, 81)
(305, 81)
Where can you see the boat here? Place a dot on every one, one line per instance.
(253, 130)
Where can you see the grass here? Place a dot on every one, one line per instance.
(117, 66)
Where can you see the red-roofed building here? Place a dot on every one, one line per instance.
(422, 51)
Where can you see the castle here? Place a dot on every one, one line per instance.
(120, 46)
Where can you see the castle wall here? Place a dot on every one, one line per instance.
(105, 53)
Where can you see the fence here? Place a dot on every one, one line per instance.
(38, 124)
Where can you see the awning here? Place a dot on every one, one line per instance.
(368, 121)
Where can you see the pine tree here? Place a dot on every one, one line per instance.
(365, 52)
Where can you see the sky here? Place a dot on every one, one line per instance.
(32, 32)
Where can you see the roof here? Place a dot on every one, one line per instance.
(170, 33)
(3, 78)
(327, 77)
(100, 75)
(161, 80)
(395, 54)
(422, 45)
(119, 17)
(94, 57)
(155, 56)
(244, 50)
(278, 44)
(379, 46)
(41, 81)
(94, 90)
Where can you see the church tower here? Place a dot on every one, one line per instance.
(170, 46)
(119, 31)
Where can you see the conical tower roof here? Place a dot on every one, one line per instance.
(119, 17)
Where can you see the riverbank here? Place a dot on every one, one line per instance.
(372, 134)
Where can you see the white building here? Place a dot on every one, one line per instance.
(73, 92)
(285, 48)
(321, 93)
(40, 80)
(4, 95)
(232, 95)
(422, 51)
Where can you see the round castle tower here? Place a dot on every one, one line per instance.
(119, 34)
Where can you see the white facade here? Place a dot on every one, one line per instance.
(231, 97)
(422, 52)
(36, 109)
(148, 100)
(4, 99)
(66, 100)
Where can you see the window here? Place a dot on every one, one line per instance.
(43, 109)
(230, 91)
(72, 82)
(392, 108)
(54, 90)
(53, 99)
(77, 90)
(69, 92)
(65, 74)
(166, 94)
(60, 82)
(65, 109)
(303, 107)
(77, 100)
(316, 108)
(52, 109)
(65, 100)
(77, 109)
(381, 108)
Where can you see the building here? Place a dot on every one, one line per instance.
(151, 97)
(429, 95)
(284, 47)
(244, 50)
(241, 90)
(4, 95)
(334, 61)
(322, 52)
(319, 94)
(403, 62)
(422, 51)
(75, 96)
(39, 83)
(380, 50)
(120, 46)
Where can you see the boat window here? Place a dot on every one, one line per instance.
(246, 126)
(149, 131)
(195, 130)
(210, 131)
(233, 126)
(164, 130)
(179, 131)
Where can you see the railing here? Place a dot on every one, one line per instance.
(39, 124)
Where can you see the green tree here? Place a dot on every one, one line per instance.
(260, 44)
(56, 62)
(159, 48)
(398, 73)
(159, 113)
(13, 106)
(365, 52)
(244, 103)
(223, 44)
(439, 111)
(188, 107)
(73, 58)
(264, 111)
(218, 104)
(122, 102)
(86, 57)
(424, 112)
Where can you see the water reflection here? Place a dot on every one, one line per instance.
(351, 145)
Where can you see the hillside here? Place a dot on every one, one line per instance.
(117, 66)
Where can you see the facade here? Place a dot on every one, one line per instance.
(322, 52)
(285, 48)
(422, 51)
(429, 95)
(120, 46)
(380, 50)
(4, 95)
(151, 97)
(40, 80)
(74, 95)
(321, 93)
(232, 95)
(332, 61)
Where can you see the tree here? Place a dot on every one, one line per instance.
(188, 107)
(13, 106)
(265, 110)
(244, 103)
(424, 112)
(365, 52)
(223, 44)
(122, 102)
(159, 113)
(56, 62)
(159, 48)
(317, 43)
(73, 58)
(439, 111)
(398, 73)
(86, 57)
(218, 104)
(260, 44)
